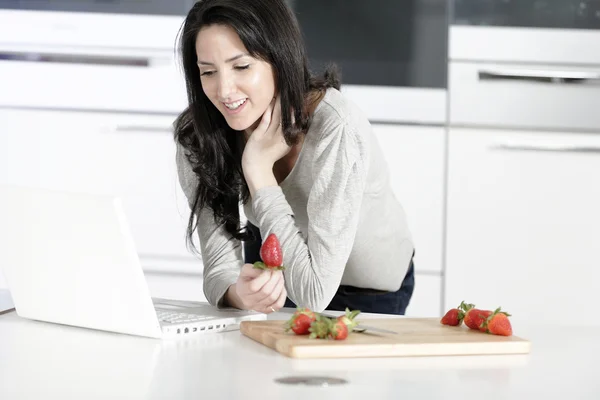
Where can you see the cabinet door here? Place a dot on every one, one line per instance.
(523, 227)
(415, 156)
(130, 156)
(426, 300)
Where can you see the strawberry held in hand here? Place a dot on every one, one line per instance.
(300, 321)
(271, 254)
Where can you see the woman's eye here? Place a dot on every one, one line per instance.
(242, 67)
(207, 73)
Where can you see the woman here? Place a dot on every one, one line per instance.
(261, 132)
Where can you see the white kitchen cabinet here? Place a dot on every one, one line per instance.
(523, 223)
(427, 296)
(126, 155)
(415, 156)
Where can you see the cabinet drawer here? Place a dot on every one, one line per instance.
(524, 96)
(148, 89)
(132, 157)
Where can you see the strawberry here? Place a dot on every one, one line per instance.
(474, 317)
(484, 314)
(271, 255)
(320, 327)
(454, 316)
(348, 318)
(498, 323)
(300, 321)
(338, 330)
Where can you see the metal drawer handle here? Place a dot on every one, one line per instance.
(533, 75)
(140, 128)
(47, 57)
(546, 148)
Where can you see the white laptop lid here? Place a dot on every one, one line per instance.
(68, 258)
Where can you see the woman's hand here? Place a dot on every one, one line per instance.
(265, 145)
(258, 290)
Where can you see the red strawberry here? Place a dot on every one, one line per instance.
(475, 317)
(339, 330)
(498, 323)
(270, 253)
(484, 315)
(454, 316)
(300, 321)
(348, 318)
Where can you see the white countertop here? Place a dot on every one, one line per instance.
(41, 360)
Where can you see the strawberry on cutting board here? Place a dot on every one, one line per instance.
(474, 318)
(338, 330)
(498, 323)
(349, 318)
(300, 321)
(455, 316)
(320, 328)
(271, 254)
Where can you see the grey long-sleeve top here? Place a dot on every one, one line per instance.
(335, 215)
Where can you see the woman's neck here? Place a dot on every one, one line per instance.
(312, 101)
(283, 167)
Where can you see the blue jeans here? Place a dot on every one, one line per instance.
(365, 300)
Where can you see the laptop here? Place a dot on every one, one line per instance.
(69, 258)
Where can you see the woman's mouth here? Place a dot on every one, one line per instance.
(236, 106)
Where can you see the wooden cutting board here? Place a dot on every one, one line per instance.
(416, 337)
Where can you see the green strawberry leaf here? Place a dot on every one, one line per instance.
(260, 265)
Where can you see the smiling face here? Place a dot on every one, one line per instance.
(239, 85)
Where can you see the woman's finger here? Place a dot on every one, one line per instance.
(270, 286)
(274, 296)
(254, 289)
(280, 302)
(276, 116)
(255, 285)
(270, 291)
(265, 121)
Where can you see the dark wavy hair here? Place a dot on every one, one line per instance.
(270, 32)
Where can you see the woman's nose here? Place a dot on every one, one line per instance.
(226, 87)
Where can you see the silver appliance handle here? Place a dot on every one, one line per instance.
(77, 58)
(121, 129)
(538, 75)
(545, 148)
(143, 128)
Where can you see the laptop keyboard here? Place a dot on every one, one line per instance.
(175, 317)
